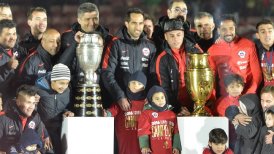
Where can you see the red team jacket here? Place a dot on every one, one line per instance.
(160, 127)
(209, 151)
(237, 57)
(223, 103)
(126, 127)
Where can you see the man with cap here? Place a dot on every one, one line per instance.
(171, 65)
(54, 101)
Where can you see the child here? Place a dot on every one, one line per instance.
(263, 147)
(157, 125)
(29, 143)
(247, 135)
(126, 121)
(234, 86)
(217, 142)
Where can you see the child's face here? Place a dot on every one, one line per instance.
(32, 147)
(269, 120)
(135, 86)
(242, 108)
(234, 89)
(218, 148)
(159, 99)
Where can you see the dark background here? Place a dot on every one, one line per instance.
(62, 13)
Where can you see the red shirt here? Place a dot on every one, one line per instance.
(126, 125)
(224, 102)
(238, 57)
(209, 151)
(160, 127)
(267, 62)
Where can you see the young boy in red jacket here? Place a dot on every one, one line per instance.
(217, 142)
(126, 121)
(157, 125)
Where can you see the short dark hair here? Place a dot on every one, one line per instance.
(268, 89)
(1, 95)
(264, 22)
(227, 17)
(133, 10)
(35, 9)
(203, 14)
(218, 136)
(26, 90)
(6, 23)
(4, 5)
(86, 7)
(230, 78)
(148, 17)
(170, 4)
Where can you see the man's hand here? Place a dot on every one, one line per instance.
(13, 63)
(37, 98)
(77, 36)
(124, 104)
(48, 144)
(175, 151)
(145, 150)
(184, 112)
(268, 137)
(242, 119)
(68, 114)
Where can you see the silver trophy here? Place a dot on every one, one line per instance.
(88, 93)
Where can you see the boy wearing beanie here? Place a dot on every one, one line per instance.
(54, 101)
(126, 121)
(157, 125)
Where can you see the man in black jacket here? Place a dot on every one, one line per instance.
(19, 116)
(88, 22)
(10, 57)
(41, 60)
(37, 20)
(128, 53)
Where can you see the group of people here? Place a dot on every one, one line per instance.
(142, 77)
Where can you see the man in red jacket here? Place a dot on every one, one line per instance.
(233, 54)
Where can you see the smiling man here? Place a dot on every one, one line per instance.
(129, 52)
(20, 115)
(37, 20)
(41, 60)
(234, 55)
(265, 49)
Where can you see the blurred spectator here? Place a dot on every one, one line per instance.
(148, 26)
(5, 11)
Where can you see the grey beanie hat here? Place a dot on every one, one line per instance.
(60, 72)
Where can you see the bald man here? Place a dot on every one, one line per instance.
(42, 59)
(5, 11)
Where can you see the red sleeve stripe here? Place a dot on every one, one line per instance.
(106, 56)
(25, 61)
(158, 66)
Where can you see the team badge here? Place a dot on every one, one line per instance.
(146, 51)
(154, 114)
(31, 125)
(241, 54)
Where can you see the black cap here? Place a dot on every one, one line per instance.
(173, 24)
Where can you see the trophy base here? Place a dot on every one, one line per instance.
(200, 111)
(88, 101)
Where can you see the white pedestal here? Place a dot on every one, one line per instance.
(87, 135)
(194, 132)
